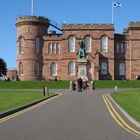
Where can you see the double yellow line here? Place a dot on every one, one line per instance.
(118, 118)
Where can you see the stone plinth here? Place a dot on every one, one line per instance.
(82, 68)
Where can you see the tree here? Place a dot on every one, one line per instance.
(3, 66)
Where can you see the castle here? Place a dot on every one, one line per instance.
(43, 54)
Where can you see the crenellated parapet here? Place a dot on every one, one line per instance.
(32, 20)
(134, 25)
(88, 26)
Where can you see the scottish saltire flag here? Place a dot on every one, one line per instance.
(117, 4)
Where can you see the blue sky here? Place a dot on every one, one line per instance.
(70, 11)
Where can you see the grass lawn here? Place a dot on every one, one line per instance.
(10, 99)
(65, 84)
(34, 84)
(119, 83)
(130, 102)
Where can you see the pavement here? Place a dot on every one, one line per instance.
(73, 115)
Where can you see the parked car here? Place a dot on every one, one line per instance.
(2, 77)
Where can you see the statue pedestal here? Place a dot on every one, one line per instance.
(82, 69)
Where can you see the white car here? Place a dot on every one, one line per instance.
(2, 78)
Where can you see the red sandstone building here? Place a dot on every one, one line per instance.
(43, 54)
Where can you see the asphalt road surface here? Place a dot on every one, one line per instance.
(71, 116)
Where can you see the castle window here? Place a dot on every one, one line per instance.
(21, 45)
(104, 68)
(122, 69)
(57, 48)
(50, 48)
(53, 70)
(71, 68)
(20, 68)
(37, 68)
(88, 43)
(121, 47)
(71, 43)
(37, 44)
(28, 30)
(118, 48)
(104, 44)
(54, 48)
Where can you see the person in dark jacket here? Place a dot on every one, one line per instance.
(80, 84)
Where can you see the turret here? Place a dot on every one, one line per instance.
(30, 32)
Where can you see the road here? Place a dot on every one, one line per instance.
(71, 116)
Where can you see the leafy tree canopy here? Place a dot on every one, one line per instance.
(3, 66)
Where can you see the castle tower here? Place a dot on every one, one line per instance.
(30, 32)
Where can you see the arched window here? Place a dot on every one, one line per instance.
(37, 44)
(50, 48)
(103, 68)
(21, 45)
(20, 68)
(37, 68)
(104, 44)
(122, 69)
(53, 70)
(71, 68)
(71, 43)
(87, 41)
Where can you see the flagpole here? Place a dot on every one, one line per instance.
(32, 8)
(112, 13)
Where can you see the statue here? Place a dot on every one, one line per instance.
(82, 51)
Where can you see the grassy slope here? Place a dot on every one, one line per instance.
(130, 101)
(12, 99)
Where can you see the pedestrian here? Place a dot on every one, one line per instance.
(85, 85)
(80, 84)
(73, 85)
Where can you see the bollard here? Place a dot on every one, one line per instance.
(116, 89)
(92, 85)
(71, 84)
(45, 91)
